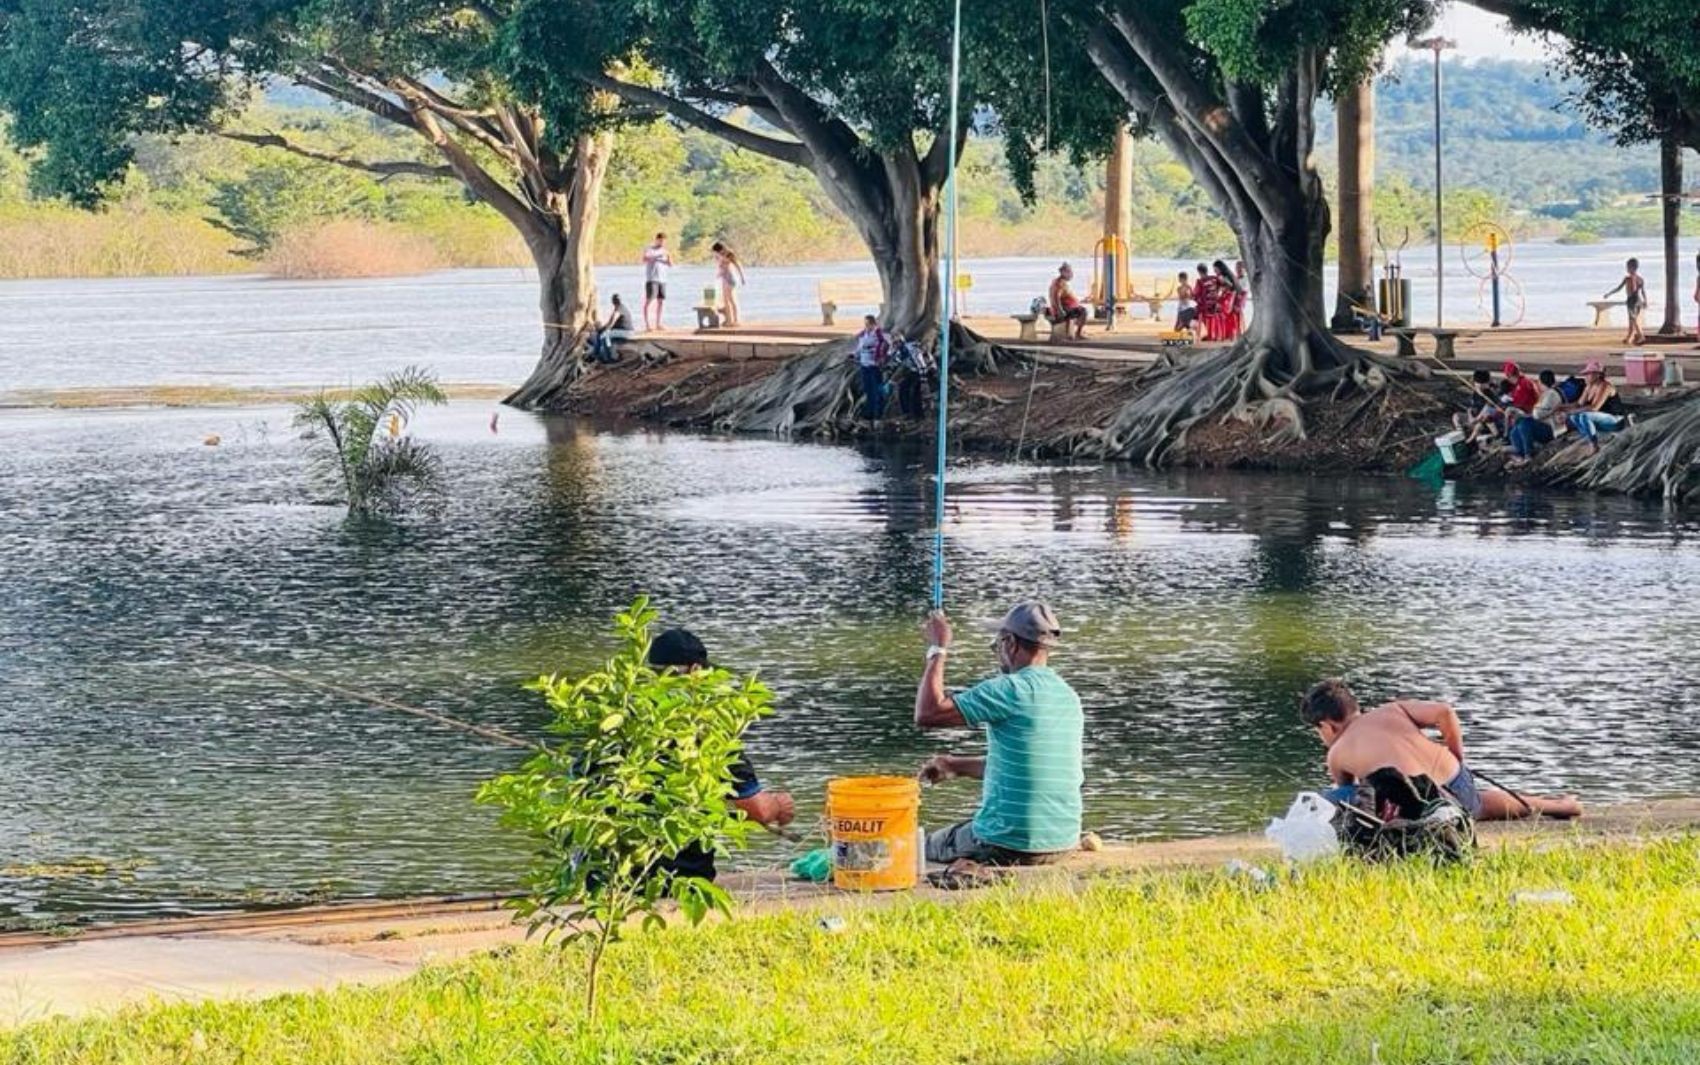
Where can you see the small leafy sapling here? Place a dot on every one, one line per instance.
(359, 451)
(638, 770)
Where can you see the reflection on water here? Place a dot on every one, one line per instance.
(139, 570)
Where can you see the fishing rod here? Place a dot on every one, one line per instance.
(506, 739)
(1513, 792)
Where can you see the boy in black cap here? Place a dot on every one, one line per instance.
(679, 649)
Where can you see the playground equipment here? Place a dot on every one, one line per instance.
(1394, 291)
(1487, 253)
(1111, 282)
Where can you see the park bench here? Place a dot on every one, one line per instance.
(1030, 327)
(1602, 312)
(1444, 340)
(836, 292)
(708, 311)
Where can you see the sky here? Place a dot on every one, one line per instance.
(1484, 36)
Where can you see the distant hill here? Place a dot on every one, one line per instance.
(1507, 129)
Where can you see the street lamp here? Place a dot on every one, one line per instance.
(1438, 45)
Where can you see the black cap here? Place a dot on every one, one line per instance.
(677, 649)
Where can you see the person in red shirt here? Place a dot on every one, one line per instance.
(1524, 390)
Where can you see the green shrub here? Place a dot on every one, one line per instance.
(640, 770)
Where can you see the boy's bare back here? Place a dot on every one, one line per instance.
(1391, 736)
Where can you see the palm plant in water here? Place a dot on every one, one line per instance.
(359, 450)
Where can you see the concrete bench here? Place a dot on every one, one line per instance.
(836, 292)
(1030, 327)
(1602, 312)
(1444, 340)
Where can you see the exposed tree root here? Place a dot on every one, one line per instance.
(1248, 381)
(551, 382)
(816, 391)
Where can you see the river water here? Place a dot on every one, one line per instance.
(481, 325)
(144, 770)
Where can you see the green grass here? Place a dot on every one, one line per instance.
(1340, 964)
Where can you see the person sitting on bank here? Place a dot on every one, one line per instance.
(1600, 410)
(1392, 736)
(1186, 313)
(1482, 416)
(681, 651)
(1519, 388)
(1537, 429)
(1065, 305)
(617, 328)
(1030, 803)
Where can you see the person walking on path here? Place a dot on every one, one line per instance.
(656, 262)
(872, 350)
(1032, 772)
(730, 273)
(1634, 289)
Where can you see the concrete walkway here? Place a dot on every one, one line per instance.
(259, 955)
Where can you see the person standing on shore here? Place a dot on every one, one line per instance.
(1634, 289)
(872, 350)
(1032, 773)
(730, 273)
(656, 262)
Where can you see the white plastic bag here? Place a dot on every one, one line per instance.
(1307, 832)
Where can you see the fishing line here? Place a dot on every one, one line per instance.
(506, 739)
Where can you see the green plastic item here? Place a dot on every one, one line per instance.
(1431, 469)
(815, 866)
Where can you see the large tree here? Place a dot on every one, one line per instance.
(857, 92)
(1230, 87)
(1640, 74)
(81, 78)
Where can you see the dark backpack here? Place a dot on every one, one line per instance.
(1395, 816)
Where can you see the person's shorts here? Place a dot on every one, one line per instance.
(655, 290)
(947, 845)
(1076, 313)
(1186, 317)
(1463, 788)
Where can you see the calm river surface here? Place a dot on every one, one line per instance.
(481, 325)
(140, 570)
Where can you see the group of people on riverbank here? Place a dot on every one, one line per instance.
(1212, 306)
(1033, 770)
(887, 362)
(657, 262)
(1528, 413)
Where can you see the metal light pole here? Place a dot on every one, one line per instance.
(1438, 45)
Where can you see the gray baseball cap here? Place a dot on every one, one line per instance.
(1034, 622)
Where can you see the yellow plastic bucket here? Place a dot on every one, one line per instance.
(873, 823)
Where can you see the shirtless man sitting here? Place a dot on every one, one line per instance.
(1391, 736)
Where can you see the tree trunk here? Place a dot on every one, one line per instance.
(561, 248)
(1355, 129)
(1670, 181)
(914, 300)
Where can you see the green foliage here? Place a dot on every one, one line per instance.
(640, 771)
(359, 450)
(1637, 65)
(282, 193)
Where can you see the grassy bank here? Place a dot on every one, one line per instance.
(1340, 964)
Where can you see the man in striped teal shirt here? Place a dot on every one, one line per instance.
(1030, 796)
